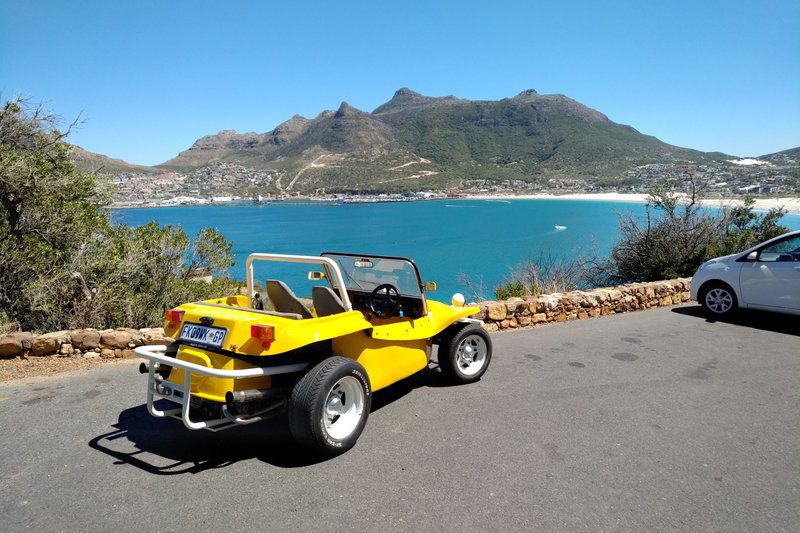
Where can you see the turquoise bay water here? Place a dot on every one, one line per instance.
(482, 238)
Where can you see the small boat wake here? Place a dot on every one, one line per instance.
(559, 228)
(500, 201)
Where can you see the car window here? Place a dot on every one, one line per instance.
(785, 250)
(364, 273)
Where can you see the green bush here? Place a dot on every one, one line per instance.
(543, 275)
(510, 289)
(677, 235)
(63, 264)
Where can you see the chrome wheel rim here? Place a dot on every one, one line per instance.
(344, 408)
(471, 355)
(719, 300)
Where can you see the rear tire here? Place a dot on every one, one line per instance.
(465, 356)
(329, 406)
(718, 299)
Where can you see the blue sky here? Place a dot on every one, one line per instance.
(152, 76)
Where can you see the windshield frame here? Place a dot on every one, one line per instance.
(420, 285)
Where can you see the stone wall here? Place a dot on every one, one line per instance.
(507, 314)
(88, 343)
(579, 305)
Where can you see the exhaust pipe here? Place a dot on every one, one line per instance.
(238, 397)
(161, 370)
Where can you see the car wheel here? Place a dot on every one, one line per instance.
(329, 406)
(718, 299)
(465, 356)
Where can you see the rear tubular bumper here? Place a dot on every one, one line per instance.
(159, 388)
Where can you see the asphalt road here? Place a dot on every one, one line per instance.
(658, 420)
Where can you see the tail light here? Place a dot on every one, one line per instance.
(266, 334)
(175, 317)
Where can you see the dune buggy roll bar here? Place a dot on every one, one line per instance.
(331, 265)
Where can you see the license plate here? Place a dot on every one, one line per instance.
(203, 334)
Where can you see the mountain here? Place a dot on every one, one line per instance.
(537, 134)
(415, 141)
(405, 101)
(100, 164)
(212, 148)
(784, 157)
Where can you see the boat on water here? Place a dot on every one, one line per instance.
(559, 228)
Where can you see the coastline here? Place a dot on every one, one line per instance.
(791, 204)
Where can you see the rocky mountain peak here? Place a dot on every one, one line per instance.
(404, 99)
(527, 94)
(226, 139)
(297, 121)
(405, 92)
(287, 131)
(346, 110)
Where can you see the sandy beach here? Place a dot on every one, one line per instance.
(792, 205)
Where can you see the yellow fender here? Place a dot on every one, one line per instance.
(439, 317)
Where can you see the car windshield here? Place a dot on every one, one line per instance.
(364, 273)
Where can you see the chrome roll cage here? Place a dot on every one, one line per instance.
(329, 264)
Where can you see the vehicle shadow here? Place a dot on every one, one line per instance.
(749, 318)
(166, 447)
(429, 377)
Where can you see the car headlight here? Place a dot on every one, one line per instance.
(458, 300)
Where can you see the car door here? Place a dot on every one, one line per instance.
(773, 279)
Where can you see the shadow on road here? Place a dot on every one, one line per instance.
(166, 447)
(749, 318)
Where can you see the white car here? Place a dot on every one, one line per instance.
(766, 276)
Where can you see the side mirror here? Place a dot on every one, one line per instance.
(315, 275)
(429, 286)
(752, 256)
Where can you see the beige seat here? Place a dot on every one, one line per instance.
(326, 302)
(284, 300)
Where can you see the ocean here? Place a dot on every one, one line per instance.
(446, 238)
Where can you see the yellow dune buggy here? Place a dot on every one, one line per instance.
(240, 359)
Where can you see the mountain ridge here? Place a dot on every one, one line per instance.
(413, 140)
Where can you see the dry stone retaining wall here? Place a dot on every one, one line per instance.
(579, 305)
(497, 315)
(88, 343)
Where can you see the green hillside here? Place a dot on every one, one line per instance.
(416, 142)
(100, 164)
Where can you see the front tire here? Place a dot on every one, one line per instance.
(329, 406)
(718, 299)
(465, 356)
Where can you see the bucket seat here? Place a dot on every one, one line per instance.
(284, 300)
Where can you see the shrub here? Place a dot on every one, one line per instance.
(543, 275)
(62, 263)
(510, 289)
(743, 228)
(474, 289)
(677, 235)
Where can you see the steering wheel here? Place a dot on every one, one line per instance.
(384, 301)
